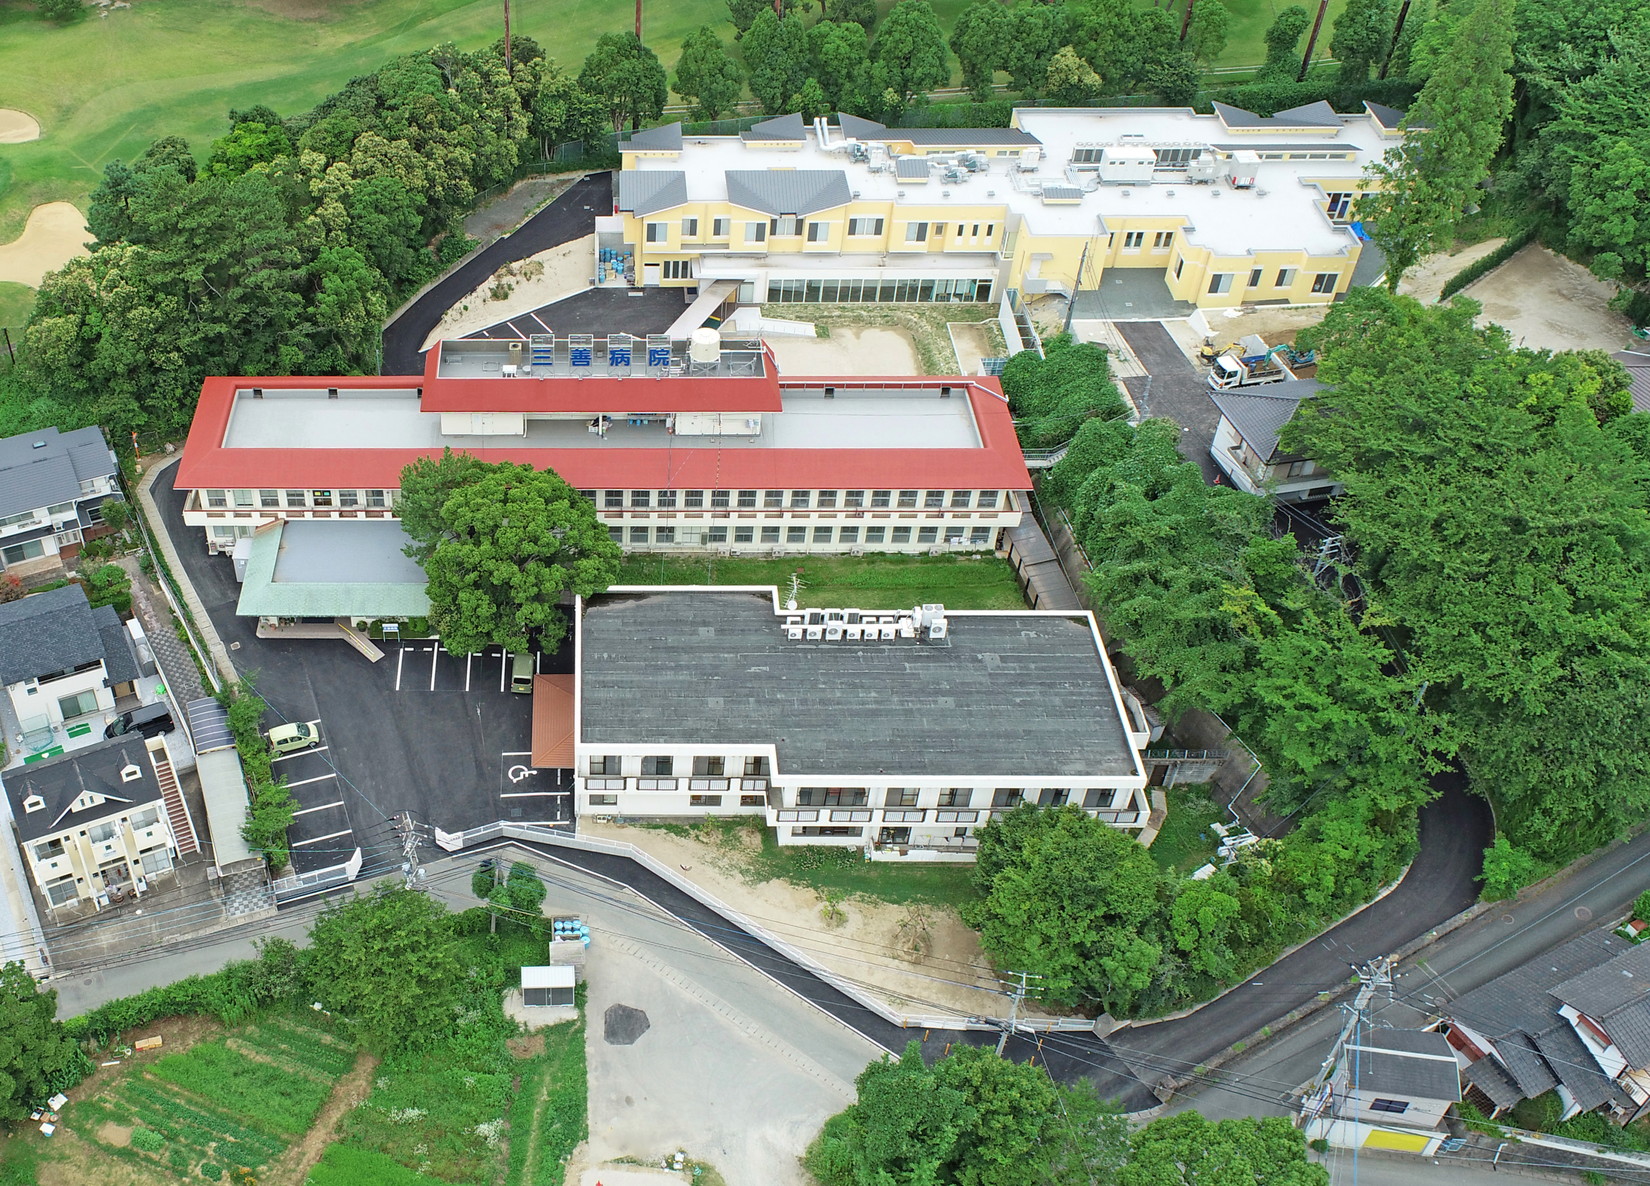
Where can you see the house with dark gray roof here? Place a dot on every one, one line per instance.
(97, 826)
(67, 669)
(899, 731)
(1398, 1077)
(1637, 365)
(1246, 444)
(1574, 1021)
(52, 489)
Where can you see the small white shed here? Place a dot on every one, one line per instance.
(550, 984)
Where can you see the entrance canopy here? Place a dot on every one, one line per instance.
(553, 722)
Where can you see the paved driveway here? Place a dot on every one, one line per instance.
(1175, 390)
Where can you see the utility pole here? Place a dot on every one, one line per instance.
(1376, 974)
(1312, 41)
(1016, 994)
(407, 831)
(1076, 287)
(1397, 32)
(638, 20)
(509, 68)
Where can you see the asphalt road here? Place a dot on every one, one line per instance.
(1176, 391)
(568, 217)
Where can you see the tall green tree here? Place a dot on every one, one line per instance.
(627, 77)
(501, 544)
(1130, 47)
(980, 39)
(839, 55)
(565, 113)
(36, 1057)
(1034, 35)
(1072, 82)
(1206, 36)
(1360, 36)
(1283, 39)
(706, 77)
(909, 47)
(388, 960)
(1070, 899)
(776, 60)
(1188, 1150)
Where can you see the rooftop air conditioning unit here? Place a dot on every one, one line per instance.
(856, 551)
(853, 633)
(888, 631)
(794, 633)
(833, 632)
(815, 633)
(938, 629)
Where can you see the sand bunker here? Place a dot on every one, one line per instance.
(55, 234)
(17, 127)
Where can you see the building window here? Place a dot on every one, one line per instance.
(826, 831)
(666, 500)
(320, 498)
(47, 849)
(770, 535)
(744, 535)
(17, 553)
(214, 498)
(853, 499)
(376, 498)
(875, 535)
(1340, 205)
(752, 801)
(819, 232)
(690, 228)
(719, 228)
(774, 500)
(956, 797)
(747, 500)
(1325, 281)
(349, 498)
(719, 500)
(831, 797)
(864, 226)
(980, 536)
(1007, 797)
(616, 534)
(928, 535)
(657, 232)
(788, 225)
(676, 269)
(658, 765)
(641, 498)
(1133, 240)
(693, 500)
(716, 535)
(1254, 277)
(848, 535)
(934, 500)
(908, 500)
(796, 535)
(710, 767)
(1395, 1107)
(61, 893)
(613, 500)
(900, 797)
(104, 832)
(822, 535)
(604, 800)
(799, 500)
(243, 499)
(1179, 266)
(987, 500)
(916, 232)
(880, 498)
(704, 800)
(1220, 282)
(827, 500)
(607, 764)
(1286, 277)
(902, 535)
(296, 498)
(756, 767)
(1162, 241)
(756, 232)
(664, 535)
(1302, 469)
(638, 535)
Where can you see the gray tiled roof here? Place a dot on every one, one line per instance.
(788, 191)
(1575, 1066)
(781, 127)
(860, 128)
(118, 659)
(41, 469)
(665, 139)
(1387, 117)
(1018, 696)
(911, 168)
(1312, 115)
(1259, 415)
(60, 781)
(963, 137)
(1638, 377)
(45, 633)
(644, 191)
(1617, 996)
(1410, 1064)
(1486, 1075)
(1518, 1053)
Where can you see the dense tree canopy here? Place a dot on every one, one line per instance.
(909, 50)
(626, 75)
(1188, 1150)
(36, 1057)
(501, 544)
(706, 76)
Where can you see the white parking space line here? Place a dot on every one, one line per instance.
(318, 839)
(435, 657)
(531, 794)
(468, 659)
(304, 782)
(400, 658)
(319, 749)
(322, 807)
(540, 320)
(503, 669)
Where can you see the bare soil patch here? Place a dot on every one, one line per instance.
(118, 1135)
(1426, 280)
(1550, 303)
(1272, 323)
(543, 279)
(526, 1046)
(348, 1092)
(55, 234)
(863, 351)
(17, 127)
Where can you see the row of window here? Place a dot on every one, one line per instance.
(664, 765)
(798, 500)
(274, 500)
(604, 800)
(52, 512)
(816, 230)
(948, 797)
(883, 292)
(1222, 281)
(1135, 240)
(979, 537)
(99, 833)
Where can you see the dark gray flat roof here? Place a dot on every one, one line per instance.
(1021, 696)
(1414, 1064)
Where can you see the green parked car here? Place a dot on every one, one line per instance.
(287, 739)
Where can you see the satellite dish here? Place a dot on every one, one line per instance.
(790, 604)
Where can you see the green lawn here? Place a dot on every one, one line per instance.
(15, 302)
(1185, 841)
(847, 582)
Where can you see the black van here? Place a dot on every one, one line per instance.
(149, 721)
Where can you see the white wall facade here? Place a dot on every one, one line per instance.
(1289, 481)
(38, 704)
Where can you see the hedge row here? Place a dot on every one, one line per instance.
(1488, 263)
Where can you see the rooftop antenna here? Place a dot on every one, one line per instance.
(796, 590)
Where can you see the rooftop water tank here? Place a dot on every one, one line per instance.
(705, 346)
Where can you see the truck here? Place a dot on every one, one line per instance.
(1248, 364)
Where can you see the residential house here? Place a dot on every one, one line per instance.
(683, 445)
(1213, 210)
(1637, 363)
(1246, 444)
(52, 489)
(901, 732)
(1386, 1077)
(99, 825)
(67, 669)
(1574, 1021)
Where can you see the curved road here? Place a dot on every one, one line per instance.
(567, 218)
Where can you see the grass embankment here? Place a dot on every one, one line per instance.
(1185, 842)
(972, 581)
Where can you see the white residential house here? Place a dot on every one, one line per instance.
(52, 489)
(97, 827)
(902, 732)
(1246, 443)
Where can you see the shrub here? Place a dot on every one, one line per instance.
(1507, 869)
(147, 1140)
(1488, 263)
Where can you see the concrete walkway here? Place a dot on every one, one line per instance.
(201, 621)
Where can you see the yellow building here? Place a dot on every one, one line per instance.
(1208, 210)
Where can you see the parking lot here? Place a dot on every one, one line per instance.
(419, 731)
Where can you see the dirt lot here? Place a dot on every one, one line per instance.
(541, 279)
(1551, 303)
(866, 351)
(1427, 279)
(55, 234)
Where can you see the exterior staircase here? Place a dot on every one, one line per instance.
(177, 811)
